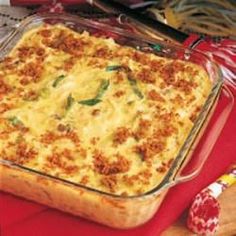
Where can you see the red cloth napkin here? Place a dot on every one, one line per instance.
(21, 217)
(41, 2)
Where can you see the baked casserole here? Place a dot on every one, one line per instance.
(90, 111)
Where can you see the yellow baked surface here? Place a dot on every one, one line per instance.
(93, 112)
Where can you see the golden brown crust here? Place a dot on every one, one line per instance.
(121, 135)
(93, 112)
(104, 167)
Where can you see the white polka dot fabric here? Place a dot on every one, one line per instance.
(13, 15)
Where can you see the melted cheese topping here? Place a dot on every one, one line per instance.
(93, 112)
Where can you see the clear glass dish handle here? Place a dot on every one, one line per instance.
(195, 165)
(5, 33)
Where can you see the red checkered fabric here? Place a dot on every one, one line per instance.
(203, 216)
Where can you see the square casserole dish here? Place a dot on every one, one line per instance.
(109, 208)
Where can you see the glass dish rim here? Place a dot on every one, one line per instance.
(168, 179)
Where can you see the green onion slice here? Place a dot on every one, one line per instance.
(93, 101)
(70, 102)
(135, 88)
(58, 80)
(113, 68)
(90, 102)
(15, 121)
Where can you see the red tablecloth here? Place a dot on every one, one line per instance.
(21, 217)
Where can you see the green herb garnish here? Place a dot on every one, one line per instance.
(132, 82)
(135, 88)
(103, 87)
(70, 101)
(93, 101)
(15, 121)
(113, 67)
(90, 102)
(138, 92)
(58, 80)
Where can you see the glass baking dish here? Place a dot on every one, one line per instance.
(109, 209)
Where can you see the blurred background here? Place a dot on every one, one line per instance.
(216, 18)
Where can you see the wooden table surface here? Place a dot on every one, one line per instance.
(227, 219)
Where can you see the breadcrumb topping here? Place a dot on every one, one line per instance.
(121, 135)
(96, 113)
(104, 167)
